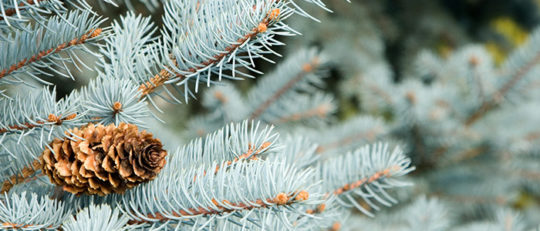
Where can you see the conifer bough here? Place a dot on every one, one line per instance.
(75, 41)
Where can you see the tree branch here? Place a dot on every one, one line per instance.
(347, 140)
(164, 75)
(320, 111)
(499, 94)
(27, 126)
(12, 11)
(282, 199)
(15, 179)
(76, 41)
(366, 180)
(14, 226)
(306, 69)
(250, 154)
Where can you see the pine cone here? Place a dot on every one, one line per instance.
(108, 159)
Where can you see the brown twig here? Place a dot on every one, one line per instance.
(12, 11)
(58, 120)
(76, 41)
(164, 75)
(490, 104)
(468, 154)
(280, 199)
(25, 173)
(14, 226)
(351, 186)
(370, 134)
(376, 176)
(251, 154)
(320, 111)
(306, 69)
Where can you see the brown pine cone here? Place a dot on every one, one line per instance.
(108, 159)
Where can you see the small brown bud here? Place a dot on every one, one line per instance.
(302, 196)
(262, 28)
(117, 107)
(281, 199)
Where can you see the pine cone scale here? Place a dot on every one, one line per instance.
(56, 150)
(62, 168)
(108, 164)
(115, 181)
(124, 169)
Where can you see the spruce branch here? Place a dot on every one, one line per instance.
(349, 135)
(37, 46)
(350, 187)
(39, 114)
(22, 177)
(319, 111)
(11, 11)
(234, 192)
(96, 217)
(31, 212)
(367, 180)
(17, 157)
(281, 199)
(496, 98)
(177, 73)
(103, 100)
(307, 67)
(233, 143)
(129, 50)
(250, 155)
(314, 109)
(521, 63)
(44, 53)
(297, 150)
(111, 100)
(366, 173)
(52, 119)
